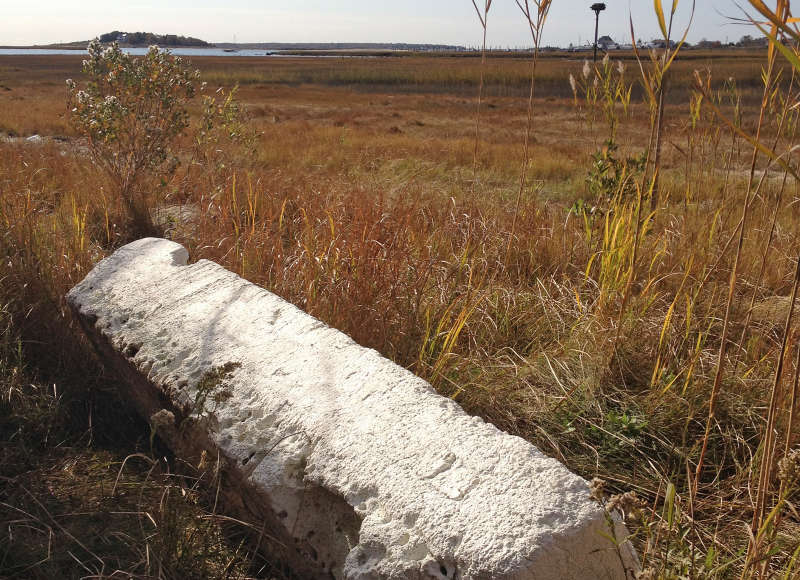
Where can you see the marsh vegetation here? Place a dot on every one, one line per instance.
(626, 311)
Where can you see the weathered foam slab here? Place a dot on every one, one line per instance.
(355, 461)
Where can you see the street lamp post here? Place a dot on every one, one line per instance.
(598, 7)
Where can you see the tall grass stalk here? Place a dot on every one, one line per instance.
(773, 221)
(536, 26)
(749, 195)
(779, 21)
(654, 84)
(789, 433)
(769, 440)
(634, 255)
(483, 16)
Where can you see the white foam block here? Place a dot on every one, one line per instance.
(369, 471)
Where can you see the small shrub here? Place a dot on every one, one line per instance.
(222, 140)
(132, 111)
(610, 176)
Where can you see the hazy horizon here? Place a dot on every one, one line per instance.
(318, 21)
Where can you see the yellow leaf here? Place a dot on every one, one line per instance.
(660, 13)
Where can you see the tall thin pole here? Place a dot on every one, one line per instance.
(597, 8)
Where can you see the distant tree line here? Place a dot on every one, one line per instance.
(745, 41)
(340, 46)
(148, 39)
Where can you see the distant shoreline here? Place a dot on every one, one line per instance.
(359, 51)
(284, 47)
(45, 47)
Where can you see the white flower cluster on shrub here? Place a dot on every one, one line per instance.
(131, 109)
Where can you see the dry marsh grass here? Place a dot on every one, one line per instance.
(360, 203)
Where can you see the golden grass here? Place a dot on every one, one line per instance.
(358, 206)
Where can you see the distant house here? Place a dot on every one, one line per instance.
(658, 43)
(606, 43)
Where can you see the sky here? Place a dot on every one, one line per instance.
(411, 21)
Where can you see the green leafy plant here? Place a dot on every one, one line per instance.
(213, 385)
(608, 174)
(132, 110)
(605, 92)
(221, 137)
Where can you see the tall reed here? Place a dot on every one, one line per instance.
(536, 24)
(483, 16)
